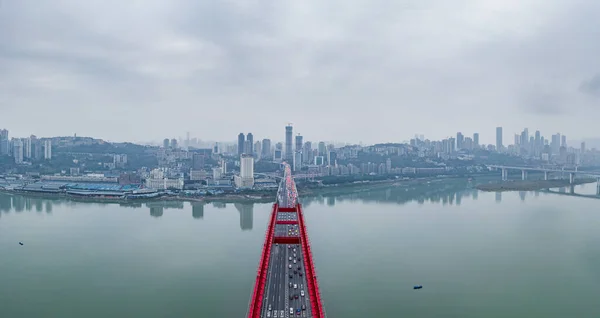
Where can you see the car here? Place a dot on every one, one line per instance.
(291, 297)
(298, 257)
(290, 284)
(300, 273)
(298, 311)
(295, 272)
(269, 306)
(292, 276)
(299, 267)
(294, 261)
(296, 296)
(290, 266)
(291, 311)
(303, 307)
(289, 258)
(295, 286)
(294, 255)
(302, 293)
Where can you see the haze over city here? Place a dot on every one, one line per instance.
(370, 71)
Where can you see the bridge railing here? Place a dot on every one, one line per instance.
(263, 267)
(316, 299)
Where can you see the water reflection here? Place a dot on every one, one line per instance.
(18, 203)
(197, 210)
(246, 215)
(447, 192)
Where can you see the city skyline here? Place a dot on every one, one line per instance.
(365, 71)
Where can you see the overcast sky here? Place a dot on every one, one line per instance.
(344, 70)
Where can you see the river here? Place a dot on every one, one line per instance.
(477, 254)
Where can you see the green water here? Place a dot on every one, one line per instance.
(476, 254)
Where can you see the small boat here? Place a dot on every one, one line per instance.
(417, 286)
(20, 243)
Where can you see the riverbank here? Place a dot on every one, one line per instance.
(530, 185)
(250, 196)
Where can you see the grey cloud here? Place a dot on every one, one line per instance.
(392, 68)
(591, 86)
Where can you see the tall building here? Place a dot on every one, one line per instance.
(563, 141)
(18, 150)
(307, 153)
(460, 138)
(241, 144)
(499, 145)
(249, 144)
(298, 143)
(257, 149)
(166, 143)
(27, 148)
(36, 146)
(246, 177)
(476, 140)
(197, 161)
(583, 147)
(332, 158)
(48, 149)
(266, 148)
(174, 143)
(289, 150)
(322, 149)
(4, 142)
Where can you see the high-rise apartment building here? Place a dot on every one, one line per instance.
(266, 148)
(289, 150)
(249, 144)
(4, 142)
(18, 150)
(48, 149)
(298, 143)
(246, 177)
(476, 140)
(241, 143)
(499, 145)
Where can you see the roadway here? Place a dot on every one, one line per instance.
(285, 284)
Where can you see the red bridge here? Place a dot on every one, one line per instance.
(286, 282)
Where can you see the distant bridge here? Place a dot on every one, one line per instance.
(546, 171)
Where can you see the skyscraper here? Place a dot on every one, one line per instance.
(48, 149)
(266, 148)
(246, 177)
(499, 145)
(18, 150)
(4, 142)
(250, 144)
(476, 140)
(460, 138)
(298, 143)
(289, 151)
(241, 143)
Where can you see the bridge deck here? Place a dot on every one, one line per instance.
(286, 283)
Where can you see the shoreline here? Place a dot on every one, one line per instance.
(257, 197)
(530, 185)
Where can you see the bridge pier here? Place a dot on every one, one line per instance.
(504, 174)
(524, 175)
(545, 175)
(571, 177)
(572, 189)
(598, 186)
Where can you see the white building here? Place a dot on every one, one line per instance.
(246, 177)
(217, 173)
(164, 183)
(48, 149)
(27, 147)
